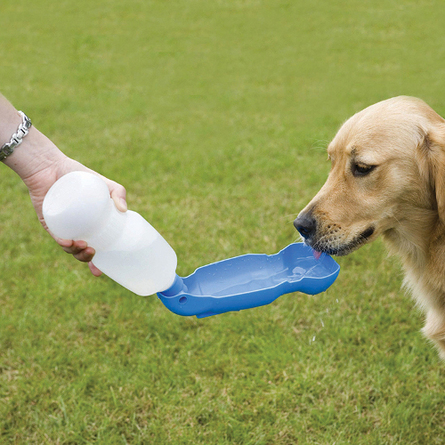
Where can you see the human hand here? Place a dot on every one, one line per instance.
(40, 182)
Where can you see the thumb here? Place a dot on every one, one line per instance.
(118, 194)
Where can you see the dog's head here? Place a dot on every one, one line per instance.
(385, 164)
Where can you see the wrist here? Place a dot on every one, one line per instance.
(35, 154)
(9, 121)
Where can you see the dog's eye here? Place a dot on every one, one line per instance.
(362, 169)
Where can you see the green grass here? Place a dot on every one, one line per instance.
(215, 115)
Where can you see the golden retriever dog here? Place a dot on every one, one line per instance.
(388, 178)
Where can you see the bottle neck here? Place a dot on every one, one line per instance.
(110, 229)
(176, 288)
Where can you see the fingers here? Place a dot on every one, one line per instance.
(79, 249)
(94, 270)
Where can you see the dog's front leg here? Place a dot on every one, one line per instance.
(434, 329)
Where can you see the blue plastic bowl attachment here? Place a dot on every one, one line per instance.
(249, 281)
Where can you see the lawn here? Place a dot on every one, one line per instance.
(215, 115)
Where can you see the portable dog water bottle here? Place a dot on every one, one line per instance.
(131, 252)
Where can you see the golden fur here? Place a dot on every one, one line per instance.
(388, 178)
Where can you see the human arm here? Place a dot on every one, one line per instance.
(39, 163)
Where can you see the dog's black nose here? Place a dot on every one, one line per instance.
(306, 225)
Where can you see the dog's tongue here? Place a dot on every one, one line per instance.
(316, 254)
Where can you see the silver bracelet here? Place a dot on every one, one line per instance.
(16, 138)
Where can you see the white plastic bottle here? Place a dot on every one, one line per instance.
(128, 249)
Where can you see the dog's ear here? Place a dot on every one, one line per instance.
(432, 165)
